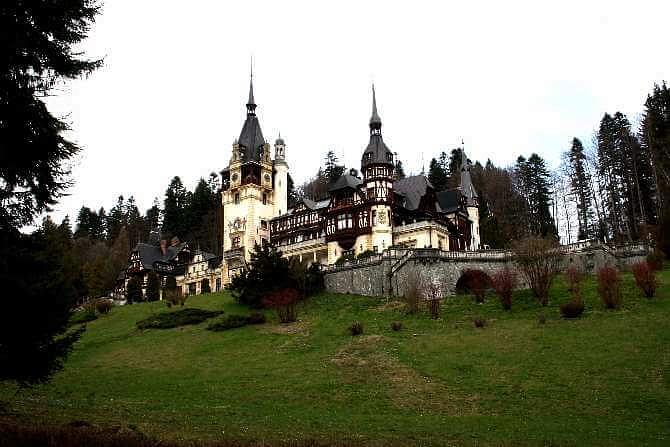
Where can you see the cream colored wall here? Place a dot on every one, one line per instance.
(473, 214)
(382, 231)
(424, 235)
(280, 188)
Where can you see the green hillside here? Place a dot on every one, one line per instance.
(601, 380)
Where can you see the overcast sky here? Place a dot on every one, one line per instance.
(508, 78)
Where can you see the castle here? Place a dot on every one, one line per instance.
(361, 215)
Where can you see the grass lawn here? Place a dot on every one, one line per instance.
(603, 379)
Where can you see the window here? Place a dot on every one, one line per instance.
(374, 218)
(236, 242)
(265, 199)
(237, 198)
(264, 224)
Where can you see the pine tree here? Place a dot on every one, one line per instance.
(438, 175)
(116, 219)
(580, 188)
(331, 169)
(38, 51)
(175, 209)
(532, 182)
(399, 170)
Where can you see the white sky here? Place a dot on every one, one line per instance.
(508, 77)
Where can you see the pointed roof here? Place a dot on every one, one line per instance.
(376, 152)
(251, 137)
(467, 188)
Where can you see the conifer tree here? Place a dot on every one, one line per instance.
(438, 174)
(134, 290)
(399, 170)
(175, 209)
(580, 188)
(153, 287)
(331, 169)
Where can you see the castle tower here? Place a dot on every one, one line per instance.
(472, 200)
(280, 178)
(248, 200)
(377, 166)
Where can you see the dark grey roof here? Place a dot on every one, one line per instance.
(467, 188)
(412, 189)
(449, 201)
(149, 254)
(251, 137)
(377, 152)
(279, 140)
(345, 181)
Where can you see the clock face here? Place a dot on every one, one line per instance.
(267, 178)
(234, 177)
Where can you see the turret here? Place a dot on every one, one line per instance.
(280, 178)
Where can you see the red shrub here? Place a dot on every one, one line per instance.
(474, 281)
(284, 302)
(609, 287)
(574, 277)
(504, 282)
(645, 278)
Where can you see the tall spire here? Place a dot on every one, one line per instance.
(251, 103)
(375, 120)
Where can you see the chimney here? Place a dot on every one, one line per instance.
(164, 246)
(174, 241)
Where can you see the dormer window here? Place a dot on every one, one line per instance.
(389, 157)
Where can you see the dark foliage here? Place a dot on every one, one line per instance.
(356, 328)
(40, 295)
(134, 290)
(167, 320)
(153, 287)
(308, 280)
(504, 282)
(609, 287)
(396, 326)
(656, 259)
(645, 278)
(82, 316)
(572, 309)
(479, 322)
(532, 182)
(228, 322)
(256, 318)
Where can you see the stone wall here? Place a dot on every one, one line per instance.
(389, 274)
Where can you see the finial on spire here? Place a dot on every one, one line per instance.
(251, 102)
(375, 116)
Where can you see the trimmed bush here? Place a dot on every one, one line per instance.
(609, 287)
(153, 287)
(479, 322)
(256, 318)
(356, 328)
(504, 283)
(645, 278)
(134, 290)
(167, 320)
(572, 309)
(103, 306)
(396, 326)
(229, 322)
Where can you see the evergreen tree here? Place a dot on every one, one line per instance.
(134, 290)
(399, 170)
(655, 140)
(331, 169)
(438, 175)
(580, 187)
(532, 182)
(116, 219)
(134, 223)
(38, 51)
(175, 209)
(83, 222)
(153, 287)
(152, 218)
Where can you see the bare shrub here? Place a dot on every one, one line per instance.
(574, 277)
(432, 293)
(645, 278)
(609, 287)
(504, 283)
(412, 296)
(538, 260)
(284, 301)
(174, 298)
(474, 281)
(656, 259)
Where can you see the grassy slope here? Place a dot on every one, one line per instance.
(603, 379)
